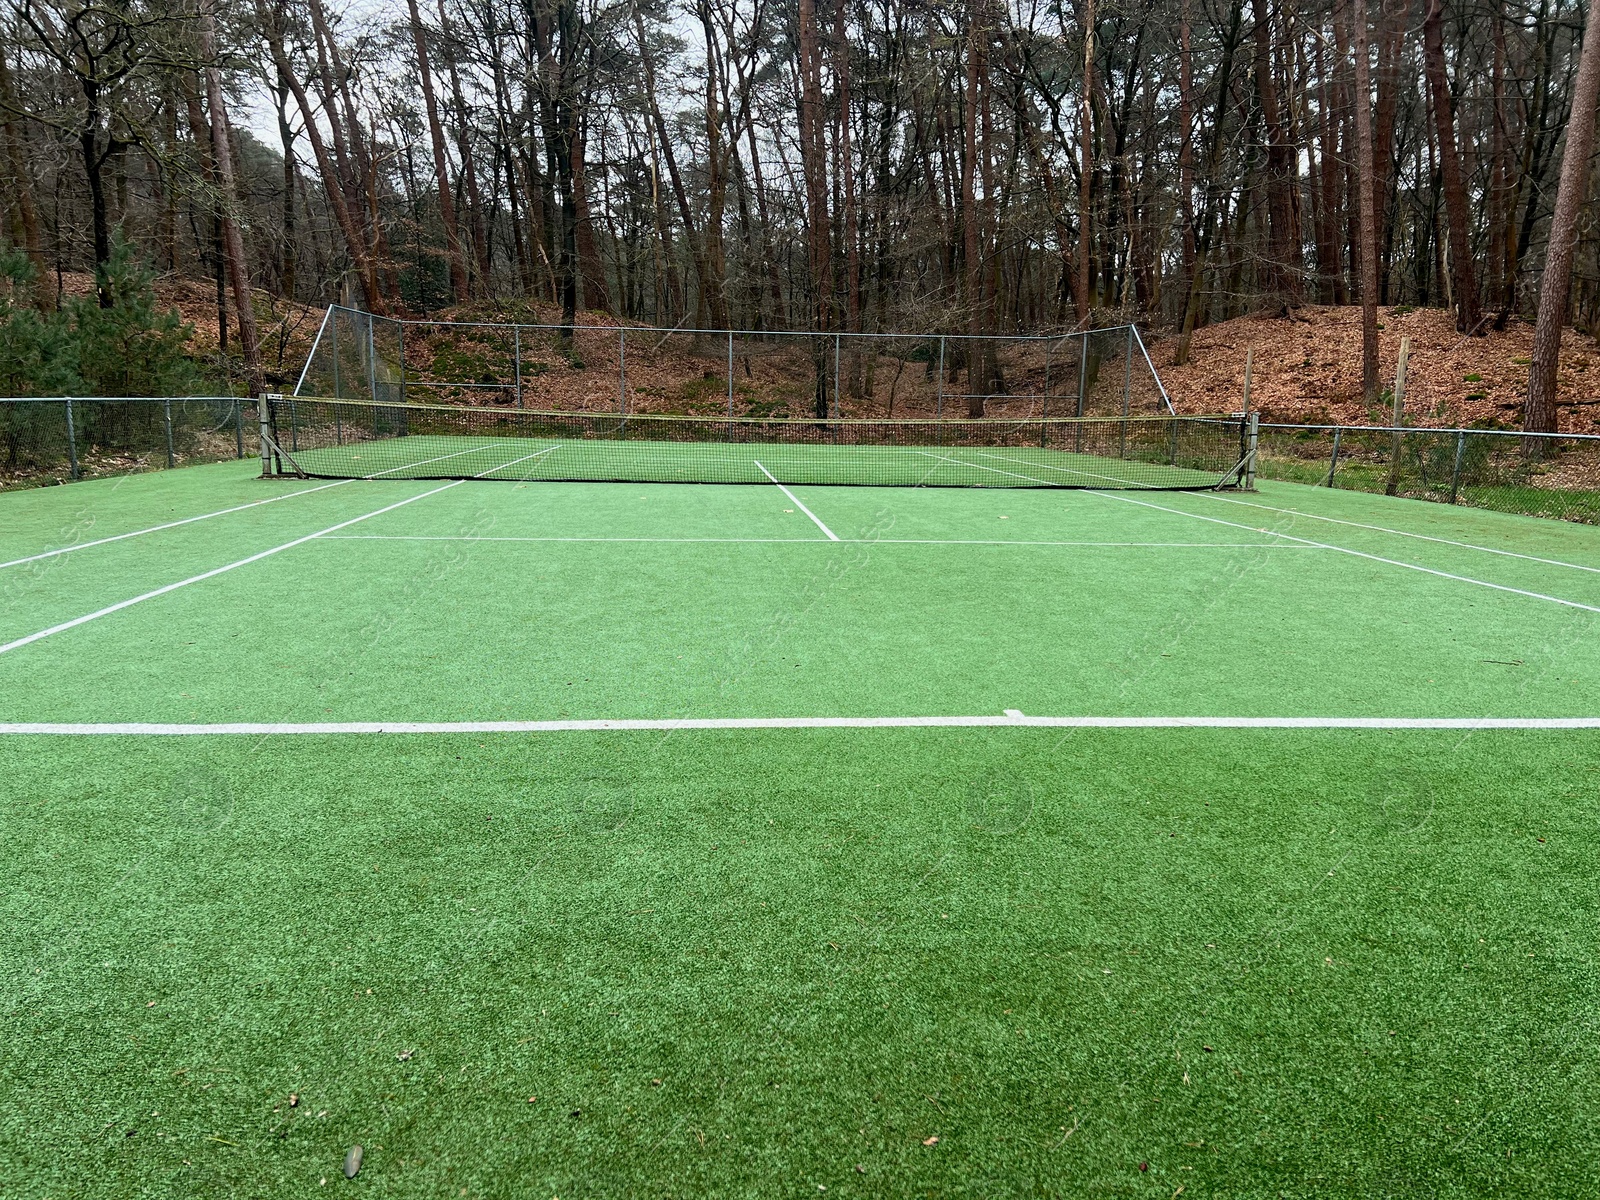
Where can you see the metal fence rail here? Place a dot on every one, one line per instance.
(46, 439)
(1541, 475)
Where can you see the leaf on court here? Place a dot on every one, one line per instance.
(931, 1141)
(352, 1162)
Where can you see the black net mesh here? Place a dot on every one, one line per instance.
(351, 439)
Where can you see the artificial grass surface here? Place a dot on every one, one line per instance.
(576, 916)
(827, 948)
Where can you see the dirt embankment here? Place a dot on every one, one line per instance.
(1307, 368)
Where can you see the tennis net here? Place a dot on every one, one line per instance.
(347, 439)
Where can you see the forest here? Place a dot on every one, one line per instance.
(977, 166)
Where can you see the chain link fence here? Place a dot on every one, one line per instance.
(734, 373)
(1536, 475)
(73, 437)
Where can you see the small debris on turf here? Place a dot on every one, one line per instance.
(531, 1099)
(294, 1099)
(405, 1055)
(1208, 1049)
(352, 1162)
(861, 1169)
(932, 1141)
(1144, 1166)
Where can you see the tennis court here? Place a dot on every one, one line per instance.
(627, 838)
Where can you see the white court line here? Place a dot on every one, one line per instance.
(221, 512)
(515, 461)
(215, 571)
(1048, 467)
(961, 462)
(424, 462)
(422, 537)
(1553, 562)
(1378, 558)
(832, 536)
(1012, 719)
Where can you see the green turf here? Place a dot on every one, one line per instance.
(750, 962)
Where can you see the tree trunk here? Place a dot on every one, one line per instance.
(441, 164)
(1367, 251)
(354, 242)
(227, 196)
(813, 165)
(1081, 284)
(1468, 315)
(1555, 287)
(1283, 239)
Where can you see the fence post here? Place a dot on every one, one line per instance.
(622, 370)
(72, 443)
(1048, 346)
(400, 325)
(166, 421)
(838, 405)
(1083, 369)
(372, 362)
(1333, 462)
(1127, 394)
(1393, 483)
(1083, 375)
(516, 349)
(938, 399)
(730, 374)
(1249, 369)
(263, 413)
(335, 331)
(238, 429)
(1455, 470)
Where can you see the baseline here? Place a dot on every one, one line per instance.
(1011, 719)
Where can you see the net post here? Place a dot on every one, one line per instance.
(938, 399)
(166, 424)
(263, 415)
(1333, 461)
(1455, 469)
(730, 374)
(1253, 438)
(516, 349)
(622, 370)
(72, 443)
